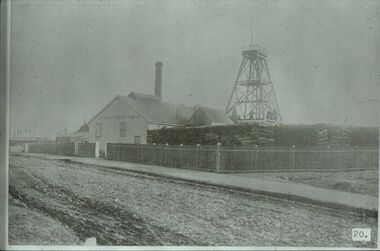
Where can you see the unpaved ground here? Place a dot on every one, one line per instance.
(123, 208)
(34, 227)
(362, 182)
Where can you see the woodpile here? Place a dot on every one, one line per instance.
(233, 135)
(334, 136)
(265, 135)
(362, 136)
(309, 135)
(299, 135)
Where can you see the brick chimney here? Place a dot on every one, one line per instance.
(158, 82)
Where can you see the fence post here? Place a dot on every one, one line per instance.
(97, 149)
(196, 156)
(355, 156)
(140, 154)
(76, 150)
(256, 156)
(153, 154)
(105, 149)
(26, 147)
(328, 157)
(166, 155)
(217, 157)
(293, 157)
(179, 156)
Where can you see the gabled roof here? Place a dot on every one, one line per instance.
(216, 117)
(158, 112)
(153, 110)
(143, 96)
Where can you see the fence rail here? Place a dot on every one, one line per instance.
(293, 160)
(239, 159)
(227, 159)
(60, 149)
(180, 157)
(86, 149)
(69, 149)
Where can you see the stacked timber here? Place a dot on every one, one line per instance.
(264, 135)
(232, 135)
(362, 136)
(334, 136)
(257, 135)
(323, 136)
(298, 135)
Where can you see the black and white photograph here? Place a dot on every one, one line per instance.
(197, 124)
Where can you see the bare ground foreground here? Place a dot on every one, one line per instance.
(55, 202)
(361, 182)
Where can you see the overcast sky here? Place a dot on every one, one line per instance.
(69, 58)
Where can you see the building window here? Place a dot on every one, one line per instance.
(123, 129)
(98, 130)
(137, 140)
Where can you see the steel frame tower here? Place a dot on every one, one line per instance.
(253, 98)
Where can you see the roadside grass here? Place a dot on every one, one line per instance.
(361, 182)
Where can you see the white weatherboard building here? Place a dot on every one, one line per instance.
(126, 119)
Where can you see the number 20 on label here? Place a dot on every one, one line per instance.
(361, 234)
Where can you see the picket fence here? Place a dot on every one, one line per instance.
(247, 159)
(226, 159)
(69, 149)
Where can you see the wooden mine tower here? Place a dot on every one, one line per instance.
(253, 98)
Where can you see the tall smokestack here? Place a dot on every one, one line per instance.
(158, 83)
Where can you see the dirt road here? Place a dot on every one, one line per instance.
(123, 208)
